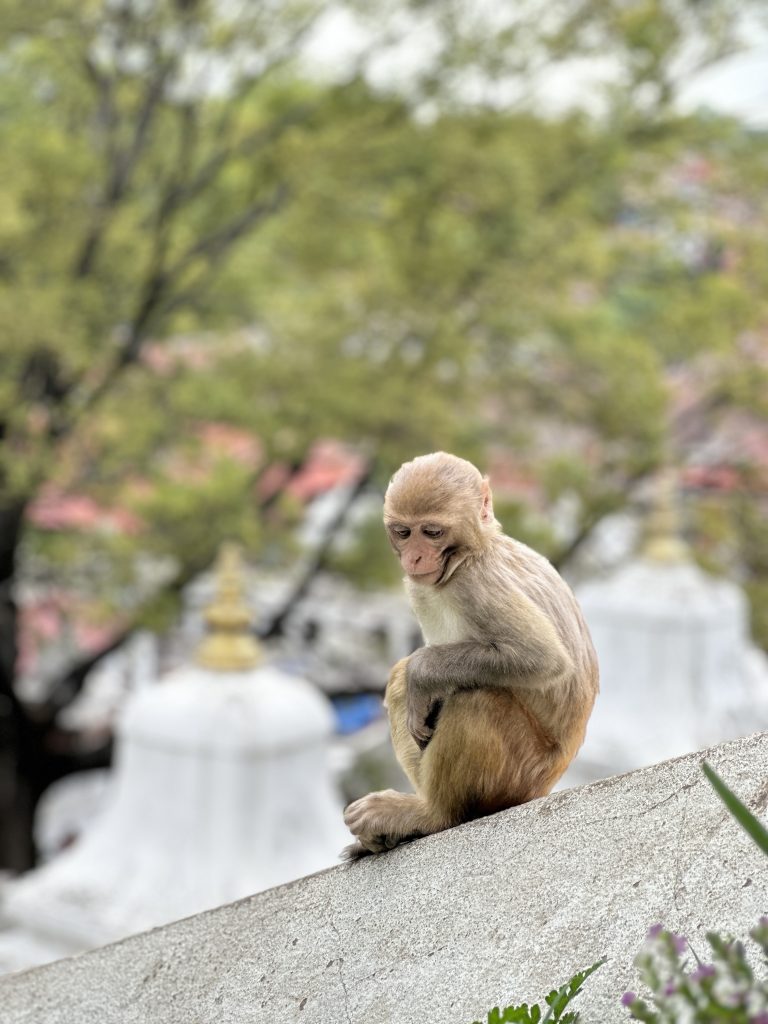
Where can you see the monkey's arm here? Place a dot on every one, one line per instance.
(524, 652)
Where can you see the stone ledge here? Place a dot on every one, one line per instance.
(443, 929)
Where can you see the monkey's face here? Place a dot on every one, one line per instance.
(422, 547)
(437, 511)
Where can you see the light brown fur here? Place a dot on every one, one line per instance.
(492, 711)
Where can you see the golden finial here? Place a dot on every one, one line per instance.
(663, 540)
(229, 645)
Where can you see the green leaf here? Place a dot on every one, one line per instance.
(740, 812)
(558, 1000)
(521, 1015)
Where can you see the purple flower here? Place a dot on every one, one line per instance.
(735, 998)
(761, 1018)
(679, 942)
(670, 988)
(630, 997)
(704, 971)
(655, 931)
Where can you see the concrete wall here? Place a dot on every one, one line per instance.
(443, 929)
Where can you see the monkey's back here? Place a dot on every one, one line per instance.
(563, 714)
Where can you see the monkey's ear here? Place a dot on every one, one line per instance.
(486, 507)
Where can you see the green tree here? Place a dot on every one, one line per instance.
(141, 144)
(429, 253)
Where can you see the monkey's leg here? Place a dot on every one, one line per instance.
(488, 753)
(407, 750)
(382, 820)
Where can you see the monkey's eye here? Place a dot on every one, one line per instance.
(432, 531)
(401, 531)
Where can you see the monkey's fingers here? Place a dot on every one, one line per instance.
(369, 821)
(421, 732)
(355, 851)
(354, 815)
(420, 719)
(365, 815)
(366, 843)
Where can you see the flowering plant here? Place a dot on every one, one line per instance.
(723, 990)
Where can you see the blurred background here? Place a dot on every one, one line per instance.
(254, 255)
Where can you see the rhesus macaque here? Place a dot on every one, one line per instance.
(492, 710)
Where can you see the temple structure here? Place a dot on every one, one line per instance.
(678, 670)
(221, 788)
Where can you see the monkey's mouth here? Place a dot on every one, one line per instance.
(427, 577)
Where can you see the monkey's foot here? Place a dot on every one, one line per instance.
(381, 821)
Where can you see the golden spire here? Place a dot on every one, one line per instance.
(663, 540)
(229, 645)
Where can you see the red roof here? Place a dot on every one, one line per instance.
(52, 509)
(329, 464)
(232, 442)
(43, 622)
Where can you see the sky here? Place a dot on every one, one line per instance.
(737, 86)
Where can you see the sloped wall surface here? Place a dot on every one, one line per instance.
(443, 929)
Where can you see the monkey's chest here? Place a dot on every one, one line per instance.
(440, 621)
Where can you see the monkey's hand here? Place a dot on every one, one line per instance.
(423, 712)
(423, 703)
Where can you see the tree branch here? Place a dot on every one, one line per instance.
(207, 174)
(217, 242)
(122, 162)
(316, 559)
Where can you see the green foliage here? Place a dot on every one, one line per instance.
(405, 271)
(557, 1003)
(739, 810)
(757, 593)
(751, 541)
(731, 529)
(192, 516)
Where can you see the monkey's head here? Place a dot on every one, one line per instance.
(437, 510)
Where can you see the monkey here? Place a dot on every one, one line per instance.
(490, 712)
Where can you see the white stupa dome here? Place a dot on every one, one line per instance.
(677, 667)
(222, 788)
